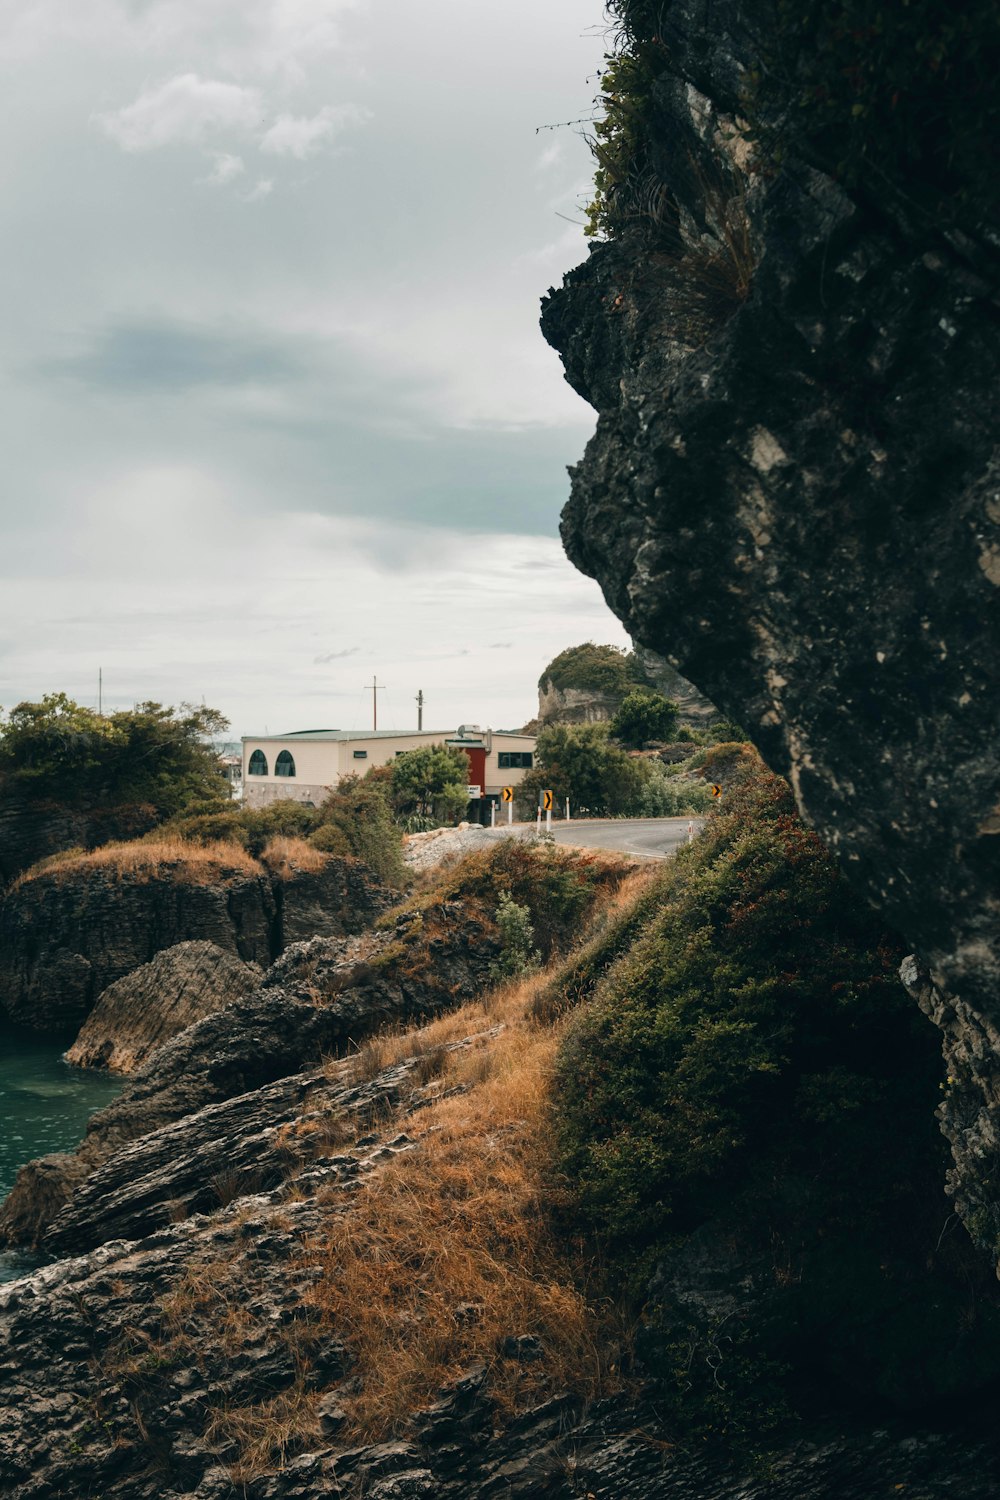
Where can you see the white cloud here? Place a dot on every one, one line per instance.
(301, 136)
(226, 168)
(184, 109)
(262, 188)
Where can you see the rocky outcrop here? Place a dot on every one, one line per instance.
(32, 828)
(569, 705)
(319, 999)
(793, 495)
(65, 937)
(68, 933)
(141, 1012)
(343, 896)
(109, 1387)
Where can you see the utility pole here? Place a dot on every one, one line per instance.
(420, 710)
(100, 693)
(377, 687)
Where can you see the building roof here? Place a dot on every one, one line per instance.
(379, 734)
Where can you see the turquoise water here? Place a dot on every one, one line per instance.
(44, 1106)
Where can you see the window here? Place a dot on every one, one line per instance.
(258, 764)
(284, 765)
(514, 760)
(361, 755)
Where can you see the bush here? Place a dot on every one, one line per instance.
(361, 810)
(668, 795)
(748, 1103)
(518, 955)
(578, 761)
(607, 671)
(431, 781)
(643, 716)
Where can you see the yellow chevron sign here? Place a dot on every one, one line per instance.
(507, 794)
(546, 802)
(715, 790)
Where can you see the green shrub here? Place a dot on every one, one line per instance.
(361, 809)
(431, 782)
(608, 671)
(518, 956)
(750, 1091)
(644, 715)
(579, 762)
(669, 795)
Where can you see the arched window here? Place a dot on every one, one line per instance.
(258, 764)
(284, 765)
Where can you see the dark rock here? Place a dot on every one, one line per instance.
(141, 1012)
(344, 897)
(33, 828)
(65, 937)
(797, 503)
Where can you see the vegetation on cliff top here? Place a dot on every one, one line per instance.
(606, 671)
(149, 754)
(897, 100)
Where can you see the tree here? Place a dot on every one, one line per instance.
(578, 761)
(148, 754)
(643, 716)
(431, 781)
(605, 670)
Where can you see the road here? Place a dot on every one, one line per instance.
(649, 838)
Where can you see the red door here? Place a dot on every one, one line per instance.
(477, 765)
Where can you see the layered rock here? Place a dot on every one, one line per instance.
(68, 933)
(110, 1388)
(794, 496)
(32, 828)
(320, 999)
(141, 1012)
(64, 937)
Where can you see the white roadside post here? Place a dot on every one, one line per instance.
(567, 809)
(538, 821)
(690, 833)
(493, 815)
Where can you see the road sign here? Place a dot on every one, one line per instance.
(507, 793)
(546, 802)
(473, 790)
(715, 790)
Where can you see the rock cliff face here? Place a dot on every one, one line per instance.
(65, 936)
(796, 500)
(319, 999)
(32, 829)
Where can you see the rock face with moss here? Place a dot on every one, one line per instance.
(792, 491)
(587, 684)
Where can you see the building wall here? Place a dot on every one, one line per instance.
(321, 764)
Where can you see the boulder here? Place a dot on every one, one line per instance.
(140, 1012)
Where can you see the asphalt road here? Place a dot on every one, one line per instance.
(649, 838)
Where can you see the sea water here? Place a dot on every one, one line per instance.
(44, 1106)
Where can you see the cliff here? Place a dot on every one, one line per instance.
(791, 494)
(71, 930)
(32, 828)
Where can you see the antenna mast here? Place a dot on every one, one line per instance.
(100, 693)
(420, 710)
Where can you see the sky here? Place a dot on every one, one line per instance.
(277, 416)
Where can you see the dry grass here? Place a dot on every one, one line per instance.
(167, 858)
(287, 857)
(450, 1250)
(436, 1261)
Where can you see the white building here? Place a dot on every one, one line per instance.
(307, 764)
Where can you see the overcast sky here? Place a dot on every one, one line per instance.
(278, 416)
